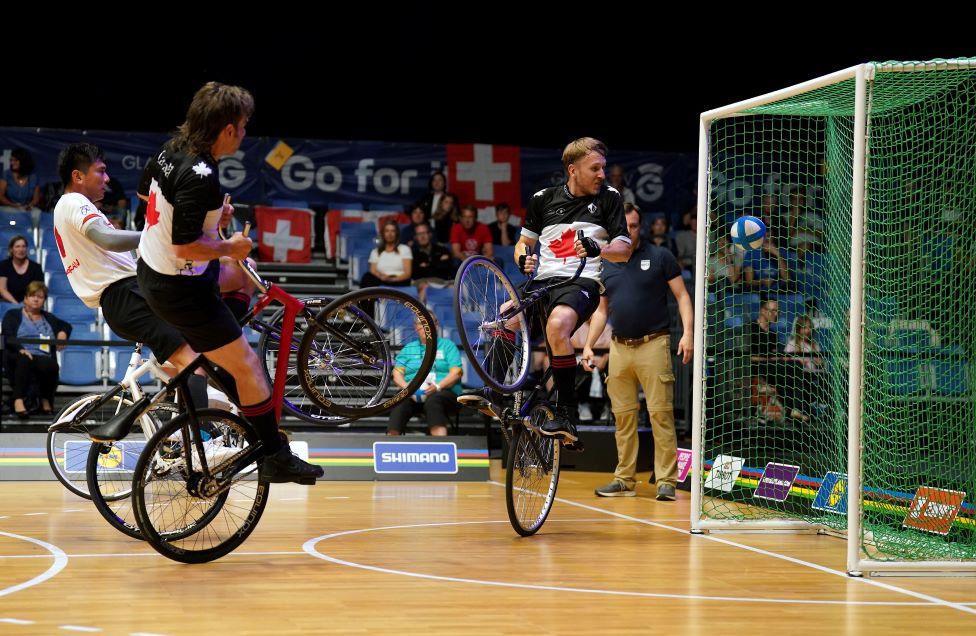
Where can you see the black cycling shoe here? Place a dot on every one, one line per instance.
(283, 466)
(562, 425)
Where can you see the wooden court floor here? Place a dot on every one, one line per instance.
(435, 558)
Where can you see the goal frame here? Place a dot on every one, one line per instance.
(857, 564)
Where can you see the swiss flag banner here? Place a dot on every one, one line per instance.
(284, 234)
(483, 174)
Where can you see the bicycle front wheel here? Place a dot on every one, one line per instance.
(296, 401)
(175, 519)
(496, 343)
(347, 356)
(532, 474)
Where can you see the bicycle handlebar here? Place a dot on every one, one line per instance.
(579, 270)
(259, 282)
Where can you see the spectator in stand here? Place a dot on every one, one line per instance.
(417, 216)
(390, 264)
(19, 188)
(803, 345)
(616, 178)
(17, 271)
(769, 211)
(32, 363)
(687, 240)
(470, 237)
(765, 268)
(770, 368)
(804, 226)
(437, 397)
(444, 218)
(432, 263)
(724, 266)
(436, 189)
(503, 232)
(659, 231)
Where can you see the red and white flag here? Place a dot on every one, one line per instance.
(284, 234)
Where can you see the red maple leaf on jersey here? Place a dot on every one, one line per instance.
(563, 246)
(152, 214)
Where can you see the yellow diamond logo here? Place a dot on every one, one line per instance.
(279, 155)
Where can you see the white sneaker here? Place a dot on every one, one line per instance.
(605, 414)
(585, 414)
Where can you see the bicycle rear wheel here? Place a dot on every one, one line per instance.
(187, 527)
(347, 355)
(498, 348)
(109, 469)
(532, 474)
(296, 402)
(67, 445)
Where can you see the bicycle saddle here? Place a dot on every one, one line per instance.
(120, 424)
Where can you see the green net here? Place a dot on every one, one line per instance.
(777, 354)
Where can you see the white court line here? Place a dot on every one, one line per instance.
(5, 517)
(293, 499)
(73, 510)
(117, 555)
(16, 621)
(79, 628)
(866, 581)
(145, 634)
(337, 497)
(309, 547)
(34, 514)
(60, 561)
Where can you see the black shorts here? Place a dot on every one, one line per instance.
(129, 315)
(192, 304)
(583, 295)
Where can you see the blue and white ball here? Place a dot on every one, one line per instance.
(748, 233)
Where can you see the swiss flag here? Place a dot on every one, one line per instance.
(284, 234)
(483, 174)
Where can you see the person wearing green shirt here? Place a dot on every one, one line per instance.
(437, 397)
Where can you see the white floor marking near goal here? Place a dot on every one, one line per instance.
(866, 581)
(337, 497)
(34, 514)
(16, 621)
(60, 561)
(79, 628)
(310, 548)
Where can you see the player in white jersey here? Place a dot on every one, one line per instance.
(101, 268)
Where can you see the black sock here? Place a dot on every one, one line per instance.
(237, 302)
(262, 416)
(197, 388)
(564, 378)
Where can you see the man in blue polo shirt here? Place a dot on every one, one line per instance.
(640, 354)
(437, 397)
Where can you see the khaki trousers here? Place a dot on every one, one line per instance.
(647, 365)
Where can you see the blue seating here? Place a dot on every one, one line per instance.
(746, 306)
(289, 203)
(80, 365)
(505, 254)
(46, 222)
(5, 307)
(16, 222)
(470, 378)
(70, 309)
(440, 296)
(52, 262)
(951, 377)
(906, 377)
(58, 285)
